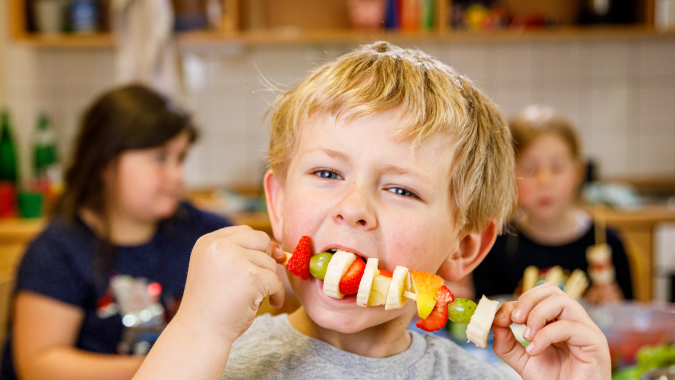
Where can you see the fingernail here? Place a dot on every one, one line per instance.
(529, 348)
(526, 333)
(280, 252)
(500, 315)
(517, 313)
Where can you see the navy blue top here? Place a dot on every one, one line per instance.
(59, 264)
(503, 268)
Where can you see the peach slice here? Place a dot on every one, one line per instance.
(425, 286)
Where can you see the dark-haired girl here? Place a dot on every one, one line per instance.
(120, 224)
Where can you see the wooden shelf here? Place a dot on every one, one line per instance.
(290, 36)
(67, 40)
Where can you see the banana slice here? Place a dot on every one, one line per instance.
(379, 290)
(399, 283)
(337, 267)
(481, 321)
(367, 282)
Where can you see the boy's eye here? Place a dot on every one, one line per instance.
(402, 192)
(327, 174)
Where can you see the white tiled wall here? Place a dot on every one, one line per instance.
(619, 93)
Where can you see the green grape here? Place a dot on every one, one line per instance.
(319, 263)
(461, 310)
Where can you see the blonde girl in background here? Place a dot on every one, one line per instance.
(550, 227)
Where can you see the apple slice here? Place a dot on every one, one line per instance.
(367, 282)
(425, 286)
(400, 283)
(337, 267)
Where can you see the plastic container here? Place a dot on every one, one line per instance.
(631, 325)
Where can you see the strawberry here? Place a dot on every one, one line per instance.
(386, 273)
(298, 264)
(349, 283)
(439, 316)
(444, 297)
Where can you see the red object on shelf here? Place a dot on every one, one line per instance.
(7, 199)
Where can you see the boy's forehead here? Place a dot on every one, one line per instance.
(381, 130)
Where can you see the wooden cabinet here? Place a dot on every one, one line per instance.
(15, 234)
(262, 22)
(636, 228)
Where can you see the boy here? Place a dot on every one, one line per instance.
(385, 153)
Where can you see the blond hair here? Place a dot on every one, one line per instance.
(534, 121)
(431, 100)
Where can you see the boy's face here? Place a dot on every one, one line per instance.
(354, 186)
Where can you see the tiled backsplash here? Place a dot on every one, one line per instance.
(619, 93)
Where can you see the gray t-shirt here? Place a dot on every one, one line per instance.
(273, 349)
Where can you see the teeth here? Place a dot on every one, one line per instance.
(337, 267)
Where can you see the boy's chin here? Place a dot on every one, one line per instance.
(348, 322)
(343, 316)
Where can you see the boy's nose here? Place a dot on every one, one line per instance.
(355, 209)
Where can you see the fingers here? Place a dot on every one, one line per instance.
(582, 337)
(550, 309)
(274, 288)
(508, 349)
(503, 316)
(254, 240)
(278, 253)
(531, 306)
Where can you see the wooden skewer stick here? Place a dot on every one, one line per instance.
(600, 226)
(288, 257)
(412, 296)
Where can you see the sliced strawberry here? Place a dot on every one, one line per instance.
(444, 297)
(298, 264)
(386, 273)
(349, 283)
(439, 316)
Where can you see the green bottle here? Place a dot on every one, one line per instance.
(8, 171)
(44, 147)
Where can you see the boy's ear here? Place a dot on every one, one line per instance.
(274, 195)
(469, 252)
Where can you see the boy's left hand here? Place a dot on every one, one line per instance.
(565, 342)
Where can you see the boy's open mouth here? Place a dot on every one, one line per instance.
(358, 254)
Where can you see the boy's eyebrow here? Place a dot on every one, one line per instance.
(397, 170)
(331, 153)
(388, 169)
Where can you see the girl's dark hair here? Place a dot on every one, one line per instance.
(126, 118)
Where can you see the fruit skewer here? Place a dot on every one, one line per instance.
(345, 273)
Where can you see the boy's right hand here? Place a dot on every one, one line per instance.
(231, 271)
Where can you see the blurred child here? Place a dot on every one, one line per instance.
(550, 228)
(121, 218)
(389, 154)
